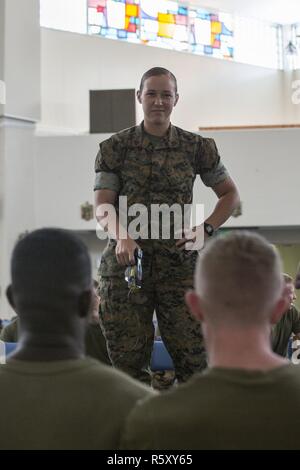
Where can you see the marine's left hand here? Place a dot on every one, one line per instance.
(193, 239)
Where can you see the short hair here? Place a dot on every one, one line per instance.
(156, 71)
(49, 267)
(239, 279)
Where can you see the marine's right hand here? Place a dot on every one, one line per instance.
(125, 251)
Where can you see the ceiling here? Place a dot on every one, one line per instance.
(277, 11)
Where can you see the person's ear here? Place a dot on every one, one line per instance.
(10, 297)
(138, 95)
(281, 306)
(85, 303)
(176, 99)
(193, 302)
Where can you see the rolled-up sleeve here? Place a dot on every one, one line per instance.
(208, 163)
(104, 180)
(107, 166)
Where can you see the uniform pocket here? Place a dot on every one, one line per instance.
(180, 175)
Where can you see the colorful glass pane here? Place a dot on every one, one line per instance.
(131, 10)
(166, 30)
(164, 23)
(216, 27)
(212, 31)
(115, 19)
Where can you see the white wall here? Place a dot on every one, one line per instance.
(1, 49)
(21, 58)
(266, 166)
(20, 69)
(213, 92)
(65, 180)
(17, 204)
(2, 242)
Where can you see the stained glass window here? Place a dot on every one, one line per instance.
(211, 33)
(115, 19)
(172, 25)
(164, 23)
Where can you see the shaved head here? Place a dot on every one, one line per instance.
(50, 270)
(239, 279)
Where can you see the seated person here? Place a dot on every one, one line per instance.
(249, 397)
(95, 344)
(54, 396)
(288, 324)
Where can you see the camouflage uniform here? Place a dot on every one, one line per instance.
(131, 164)
(281, 332)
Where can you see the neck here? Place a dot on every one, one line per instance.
(49, 347)
(159, 130)
(242, 349)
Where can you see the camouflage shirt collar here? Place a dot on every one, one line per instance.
(171, 140)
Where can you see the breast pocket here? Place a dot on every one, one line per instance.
(180, 176)
(136, 171)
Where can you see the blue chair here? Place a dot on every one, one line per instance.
(5, 350)
(160, 359)
(10, 347)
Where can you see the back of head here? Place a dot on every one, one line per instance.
(155, 72)
(239, 279)
(50, 268)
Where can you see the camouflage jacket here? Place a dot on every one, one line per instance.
(281, 332)
(160, 172)
(163, 173)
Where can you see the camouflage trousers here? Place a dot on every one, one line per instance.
(128, 327)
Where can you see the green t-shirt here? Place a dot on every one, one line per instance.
(221, 409)
(74, 404)
(281, 332)
(154, 139)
